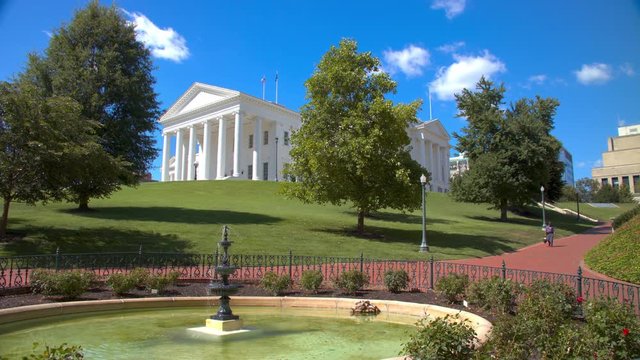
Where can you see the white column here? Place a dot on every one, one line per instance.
(443, 166)
(447, 166)
(165, 157)
(434, 166)
(257, 149)
(191, 155)
(237, 142)
(205, 159)
(436, 154)
(222, 145)
(423, 154)
(178, 163)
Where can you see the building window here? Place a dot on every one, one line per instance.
(604, 181)
(636, 183)
(250, 141)
(625, 182)
(265, 138)
(614, 182)
(286, 138)
(250, 172)
(265, 171)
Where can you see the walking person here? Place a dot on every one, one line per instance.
(549, 231)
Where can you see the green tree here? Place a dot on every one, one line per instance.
(511, 152)
(587, 189)
(353, 144)
(97, 61)
(38, 137)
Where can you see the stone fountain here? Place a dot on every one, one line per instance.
(223, 322)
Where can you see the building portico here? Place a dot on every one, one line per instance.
(224, 134)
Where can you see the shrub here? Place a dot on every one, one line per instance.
(311, 280)
(351, 281)
(625, 217)
(121, 283)
(275, 284)
(396, 280)
(612, 330)
(441, 338)
(64, 351)
(453, 286)
(68, 284)
(174, 276)
(139, 277)
(494, 294)
(159, 282)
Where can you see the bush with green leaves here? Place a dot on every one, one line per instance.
(121, 283)
(174, 276)
(612, 330)
(275, 284)
(139, 277)
(311, 280)
(625, 217)
(441, 338)
(158, 282)
(396, 280)
(351, 281)
(62, 352)
(68, 284)
(453, 286)
(494, 294)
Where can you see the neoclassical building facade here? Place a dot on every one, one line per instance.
(212, 133)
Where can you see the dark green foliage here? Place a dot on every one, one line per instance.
(158, 282)
(604, 333)
(351, 281)
(609, 194)
(96, 60)
(311, 280)
(494, 294)
(62, 352)
(511, 152)
(441, 338)
(569, 193)
(353, 145)
(396, 280)
(453, 286)
(121, 283)
(617, 255)
(625, 217)
(587, 188)
(68, 284)
(275, 284)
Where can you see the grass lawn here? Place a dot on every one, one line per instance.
(188, 216)
(604, 214)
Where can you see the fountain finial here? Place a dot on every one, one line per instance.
(224, 288)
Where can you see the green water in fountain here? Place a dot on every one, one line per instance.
(164, 334)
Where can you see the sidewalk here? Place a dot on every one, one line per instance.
(564, 257)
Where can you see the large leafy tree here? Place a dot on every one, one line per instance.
(353, 144)
(511, 150)
(97, 61)
(39, 137)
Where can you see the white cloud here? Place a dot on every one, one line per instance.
(48, 33)
(163, 43)
(597, 163)
(581, 164)
(627, 69)
(595, 73)
(452, 8)
(538, 79)
(451, 48)
(410, 60)
(464, 73)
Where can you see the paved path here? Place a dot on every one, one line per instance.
(564, 257)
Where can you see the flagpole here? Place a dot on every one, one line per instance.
(276, 87)
(264, 81)
(430, 113)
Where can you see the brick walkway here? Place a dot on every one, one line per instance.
(564, 257)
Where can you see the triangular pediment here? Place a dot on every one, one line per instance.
(197, 96)
(435, 127)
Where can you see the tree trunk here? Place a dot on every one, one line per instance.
(361, 221)
(503, 210)
(5, 218)
(83, 203)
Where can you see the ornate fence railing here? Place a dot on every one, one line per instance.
(423, 274)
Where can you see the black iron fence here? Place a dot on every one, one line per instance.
(423, 274)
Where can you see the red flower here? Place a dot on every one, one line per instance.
(580, 299)
(625, 332)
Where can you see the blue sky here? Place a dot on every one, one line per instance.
(585, 53)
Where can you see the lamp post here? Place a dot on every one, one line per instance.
(543, 219)
(424, 247)
(276, 159)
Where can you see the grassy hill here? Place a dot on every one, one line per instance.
(188, 216)
(617, 255)
(603, 214)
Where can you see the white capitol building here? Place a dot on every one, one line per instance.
(212, 133)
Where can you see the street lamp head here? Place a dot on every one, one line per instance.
(423, 179)
(541, 188)
(276, 139)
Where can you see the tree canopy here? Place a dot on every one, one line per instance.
(511, 151)
(353, 144)
(97, 61)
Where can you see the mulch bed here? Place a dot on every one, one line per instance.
(200, 289)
